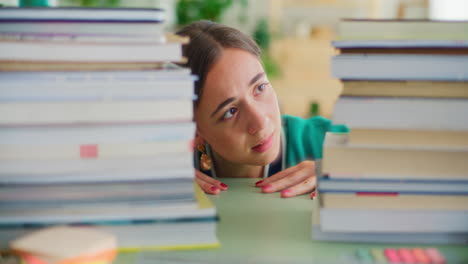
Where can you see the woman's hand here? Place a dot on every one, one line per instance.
(296, 180)
(208, 184)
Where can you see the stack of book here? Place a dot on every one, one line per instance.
(96, 128)
(401, 174)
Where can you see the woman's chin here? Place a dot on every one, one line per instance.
(269, 157)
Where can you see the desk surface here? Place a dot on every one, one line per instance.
(264, 228)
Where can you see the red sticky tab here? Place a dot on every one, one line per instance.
(89, 151)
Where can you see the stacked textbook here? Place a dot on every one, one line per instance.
(96, 128)
(401, 174)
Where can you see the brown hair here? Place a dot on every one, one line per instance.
(207, 40)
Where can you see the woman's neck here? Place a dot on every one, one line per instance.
(226, 169)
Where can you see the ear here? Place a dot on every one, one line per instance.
(199, 139)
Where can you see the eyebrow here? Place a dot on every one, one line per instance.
(230, 99)
(223, 104)
(256, 77)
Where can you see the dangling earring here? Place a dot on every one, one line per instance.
(205, 161)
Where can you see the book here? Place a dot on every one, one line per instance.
(93, 112)
(145, 236)
(46, 195)
(166, 83)
(394, 220)
(36, 168)
(58, 152)
(382, 237)
(123, 212)
(400, 67)
(32, 66)
(82, 37)
(405, 89)
(402, 113)
(81, 14)
(339, 184)
(139, 233)
(403, 29)
(404, 138)
(98, 133)
(67, 51)
(393, 201)
(178, 171)
(405, 50)
(83, 29)
(392, 162)
(399, 43)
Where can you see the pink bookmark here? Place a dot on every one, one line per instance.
(420, 256)
(435, 256)
(392, 256)
(406, 256)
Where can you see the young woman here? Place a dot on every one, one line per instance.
(240, 131)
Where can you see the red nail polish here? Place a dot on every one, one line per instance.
(284, 193)
(213, 188)
(223, 185)
(266, 187)
(313, 195)
(258, 183)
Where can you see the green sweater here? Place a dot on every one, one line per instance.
(304, 137)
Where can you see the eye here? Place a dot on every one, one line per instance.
(260, 89)
(229, 113)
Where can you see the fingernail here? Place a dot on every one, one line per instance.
(266, 188)
(223, 185)
(313, 195)
(258, 183)
(213, 188)
(285, 193)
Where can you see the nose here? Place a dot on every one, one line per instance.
(257, 119)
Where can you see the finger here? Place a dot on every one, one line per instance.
(306, 170)
(277, 176)
(304, 187)
(212, 181)
(207, 187)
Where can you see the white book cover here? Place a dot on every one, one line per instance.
(176, 172)
(400, 67)
(369, 221)
(28, 168)
(382, 237)
(82, 86)
(96, 134)
(106, 212)
(54, 51)
(402, 113)
(90, 29)
(341, 44)
(59, 152)
(95, 112)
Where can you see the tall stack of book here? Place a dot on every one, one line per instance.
(401, 174)
(96, 128)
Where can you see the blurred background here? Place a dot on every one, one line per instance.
(294, 35)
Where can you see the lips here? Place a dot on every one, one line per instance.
(264, 145)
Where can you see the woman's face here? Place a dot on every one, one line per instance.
(238, 114)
